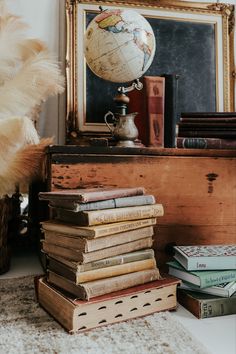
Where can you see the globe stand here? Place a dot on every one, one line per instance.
(124, 129)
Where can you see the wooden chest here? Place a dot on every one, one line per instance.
(197, 188)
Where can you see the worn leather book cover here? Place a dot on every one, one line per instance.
(89, 245)
(79, 316)
(106, 216)
(96, 231)
(205, 305)
(100, 273)
(149, 104)
(90, 289)
(82, 257)
(91, 194)
(63, 263)
(205, 143)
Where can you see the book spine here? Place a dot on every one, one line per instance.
(212, 263)
(207, 114)
(171, 109)
(154, 87)
(208, 120)
(205, 143)
(119, 249)
(224, 134)
(206, 125)
(123, 226)
(111, 194)
(123, 214)
(100, 287)
(118, 239)
(113, 271)
(218, 277)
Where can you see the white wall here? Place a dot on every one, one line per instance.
(46, 21)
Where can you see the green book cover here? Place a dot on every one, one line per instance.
(201, 278)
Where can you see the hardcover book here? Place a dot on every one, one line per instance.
(88, 290)
(79, 316)
(205, 305)
(96, 230)
(202, 279)
(89, 245)
(224, 289)
(100, 273)
(106, 216)
(91, 194)
(134, 256)
(103, 204)
(149, 104)
(206, 257)
(205, 143)
(82, 257)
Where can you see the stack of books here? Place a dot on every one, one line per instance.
(206, 130)
(208, 279)
(98, 244)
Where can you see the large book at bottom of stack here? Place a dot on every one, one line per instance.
(78, 315)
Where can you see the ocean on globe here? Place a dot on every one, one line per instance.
(119, 45)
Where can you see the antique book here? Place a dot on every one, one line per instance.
(103, 204)
(208, 120)
(209, 124)
(100, 273)
(82, 257)
(106, 216)
(60, 262)
(206, 257)
(78, 315)
(88, 290)
(224, 289)
(171, 109)
(155, 91)
(207, 114)
(205, 143)
(149, 104)
(207, 133)
(205, 305)
(202, 279)
(91, 194)
(88, 245)
(97, 230)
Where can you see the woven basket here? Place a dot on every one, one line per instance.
(5, 212)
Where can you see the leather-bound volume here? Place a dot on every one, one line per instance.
(171, 109)
(149, 104)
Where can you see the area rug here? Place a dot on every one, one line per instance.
(26, 328)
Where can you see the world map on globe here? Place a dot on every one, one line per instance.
(119, 45)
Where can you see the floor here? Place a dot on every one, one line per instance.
(217, 334)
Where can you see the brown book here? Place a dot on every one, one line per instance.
(88, 245)
(88, 290)
(149, 103)
(101, 273)
(78, 315)
(60, 263)
(98, 217)
(205, 143)
(206, 305)
(96, 230)
(91, 194)
(79, 256)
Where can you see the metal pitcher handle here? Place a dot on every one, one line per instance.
(108, 114)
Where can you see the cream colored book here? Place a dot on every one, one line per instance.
(79, 315)
(101, 263)
(100, 287)
(98, 230)
(101, 273)
(79, 256)
(106, 216)
(89, 245)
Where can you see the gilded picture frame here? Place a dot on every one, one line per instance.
(83, 90)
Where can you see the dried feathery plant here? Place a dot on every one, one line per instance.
(29, 74)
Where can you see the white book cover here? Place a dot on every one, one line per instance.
(206, 257)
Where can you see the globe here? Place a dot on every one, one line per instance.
(119, 45)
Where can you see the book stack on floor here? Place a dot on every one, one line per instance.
(208, 275)
(206, 130)
(99, 249)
